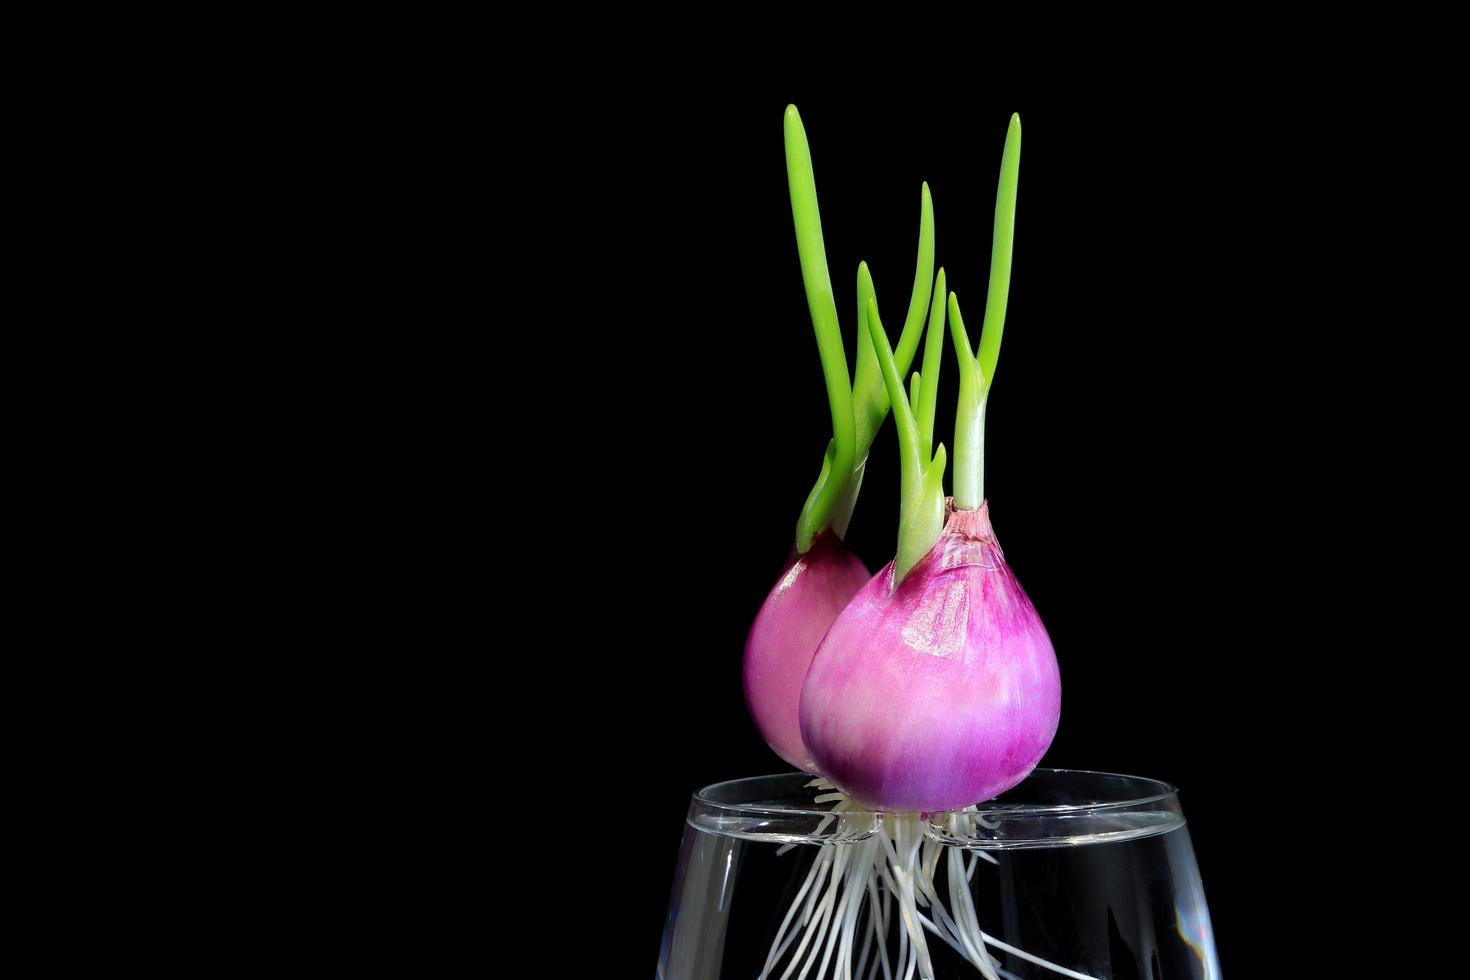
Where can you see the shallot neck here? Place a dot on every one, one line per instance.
(973, 524)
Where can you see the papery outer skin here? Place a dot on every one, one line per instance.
(812, 590)
(938, 696)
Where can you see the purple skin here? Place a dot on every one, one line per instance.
(813, 589)
(944, 693)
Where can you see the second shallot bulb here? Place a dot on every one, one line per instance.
(813, 589)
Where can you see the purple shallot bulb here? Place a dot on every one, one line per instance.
(937, 694)
(812, 590)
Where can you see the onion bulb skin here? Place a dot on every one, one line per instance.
(813, 589)
(937, 694)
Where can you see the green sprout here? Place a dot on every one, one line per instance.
(860, 402)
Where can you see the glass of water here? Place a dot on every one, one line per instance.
(1070, 874)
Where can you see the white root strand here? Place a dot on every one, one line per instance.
(1036, 959)
(845, 903)
(840, 914)
(959, 891)
(928, 923)
(778, 947)
(824, 915)
(883, 925)
(866, 938)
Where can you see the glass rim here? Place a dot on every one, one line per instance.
(1162, 791)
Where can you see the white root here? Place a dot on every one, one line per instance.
(867, 941)
(960, 898)
(903, 940)
(811, 901)
(910, 912)
(843, 913)
(883, 928)
(1036, 959)
(821, 829)
(839, 915)
(806, 886)
(824, 908)
(911, 937)
(943, 934)
(968, 818)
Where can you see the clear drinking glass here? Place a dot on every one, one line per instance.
(1070, 874)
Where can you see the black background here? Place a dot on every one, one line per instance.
(1159, 438)
(1175, 429)
(521, 402)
